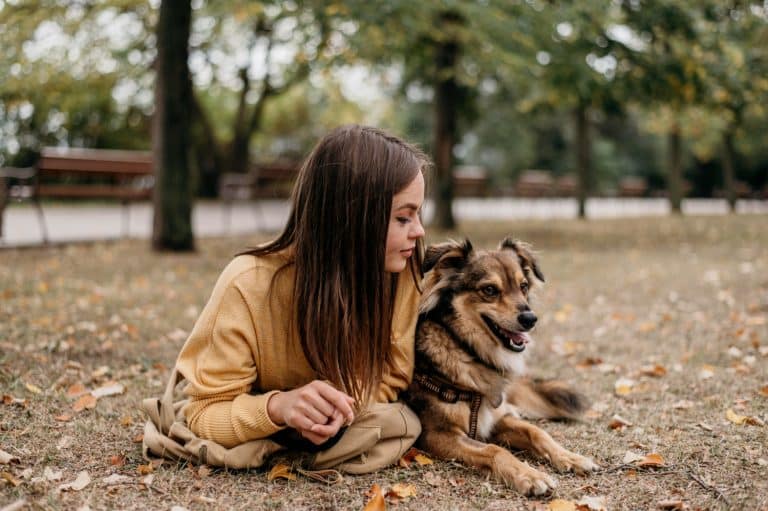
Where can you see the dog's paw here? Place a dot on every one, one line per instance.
(568, 461)
(531, 482)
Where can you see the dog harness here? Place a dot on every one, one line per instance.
(450, 393)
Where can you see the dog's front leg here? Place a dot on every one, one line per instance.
(520, 434)
(502, 463)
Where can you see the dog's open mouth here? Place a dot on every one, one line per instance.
(515, 341)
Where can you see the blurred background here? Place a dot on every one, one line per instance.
(515, 98)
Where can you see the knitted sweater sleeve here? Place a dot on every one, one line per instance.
(219, 362)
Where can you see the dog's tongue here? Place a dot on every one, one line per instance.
(519, 338)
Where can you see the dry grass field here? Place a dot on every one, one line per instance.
(662, 323)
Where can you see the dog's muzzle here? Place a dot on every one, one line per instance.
(514, 341)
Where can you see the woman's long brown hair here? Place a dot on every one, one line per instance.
(337, 229)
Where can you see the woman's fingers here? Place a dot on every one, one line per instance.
(331, 428)
(341, 401)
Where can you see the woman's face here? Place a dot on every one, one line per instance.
(404, 225)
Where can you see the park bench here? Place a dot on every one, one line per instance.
(75, 173)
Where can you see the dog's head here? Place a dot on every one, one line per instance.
(482, 295)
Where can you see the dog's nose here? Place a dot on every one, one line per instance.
(527, 319)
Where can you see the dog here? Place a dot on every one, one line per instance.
(469, 386)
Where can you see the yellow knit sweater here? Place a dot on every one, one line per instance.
(240, 351)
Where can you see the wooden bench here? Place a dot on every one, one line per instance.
(74, 173)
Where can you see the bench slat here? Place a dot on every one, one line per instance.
(93, 191)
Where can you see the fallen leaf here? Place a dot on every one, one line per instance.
(100, 372)
(561, 505)
(138, 438)
(117, 460)
(16, 505)
(83, 479)
(145, 469)
(433, 479)
(683, 405)
(87, 401)
(116, 479)
(148, 480)
(50, 474)
(407, 458)
(656, 371)
(126, 421)
(281, 471)
(9, 477)
(743, 419)
(63, 418)
(623, 386)
(672, 505)
(596, 503)
(203, 499)
(17, 401)
(653, 460)
(706, 372)
(110, 389)
(589, 362)
(7, 459)
(376, 503)
(763, 391)
(631, 457)
(423, 460)
(402, 491)
(619, 422)
(76, 390)
(33, 388)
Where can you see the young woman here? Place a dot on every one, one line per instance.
(309, 331)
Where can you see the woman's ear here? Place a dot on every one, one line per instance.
(451, 254)
(525, 255)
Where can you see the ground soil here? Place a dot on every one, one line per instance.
(661, 321)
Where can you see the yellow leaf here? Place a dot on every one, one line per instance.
(9, 477)
(86, 401)
(561, 505)
(422, 460)
(281, 471)
(33, 388)
(377, 500)
(623, 386)
(402, 491)
(735, 418)
(145, 469)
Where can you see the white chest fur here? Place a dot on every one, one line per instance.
(487, 417)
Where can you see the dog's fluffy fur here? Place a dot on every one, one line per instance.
(473, 329)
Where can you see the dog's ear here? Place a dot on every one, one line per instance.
(451, 254)
(525, 254)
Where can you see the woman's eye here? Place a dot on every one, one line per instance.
(403, 220)
(490, 291)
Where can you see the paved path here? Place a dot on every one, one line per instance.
(68, 223)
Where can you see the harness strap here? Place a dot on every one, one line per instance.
(450, 393)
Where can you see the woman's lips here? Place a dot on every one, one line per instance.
(407, 252)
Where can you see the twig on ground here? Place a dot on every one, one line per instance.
(718, 493)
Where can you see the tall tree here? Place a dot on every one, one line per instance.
(172, 228)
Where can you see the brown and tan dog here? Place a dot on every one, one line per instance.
(469, 388)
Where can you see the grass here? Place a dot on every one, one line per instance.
(689, 295)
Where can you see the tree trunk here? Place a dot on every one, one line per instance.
(3, 202)
(675, 172)
(172, 229)
(729, 174)
(583, 159)
(444, 135)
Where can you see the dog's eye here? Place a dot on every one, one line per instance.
(524, 286)
(490, 291)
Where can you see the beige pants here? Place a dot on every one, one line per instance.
(379, 437)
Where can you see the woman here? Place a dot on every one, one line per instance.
(307, 332)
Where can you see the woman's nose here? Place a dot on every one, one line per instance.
(418, 229)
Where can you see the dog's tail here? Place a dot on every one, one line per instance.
(547, 399)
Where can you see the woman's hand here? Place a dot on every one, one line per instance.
(317, 410)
